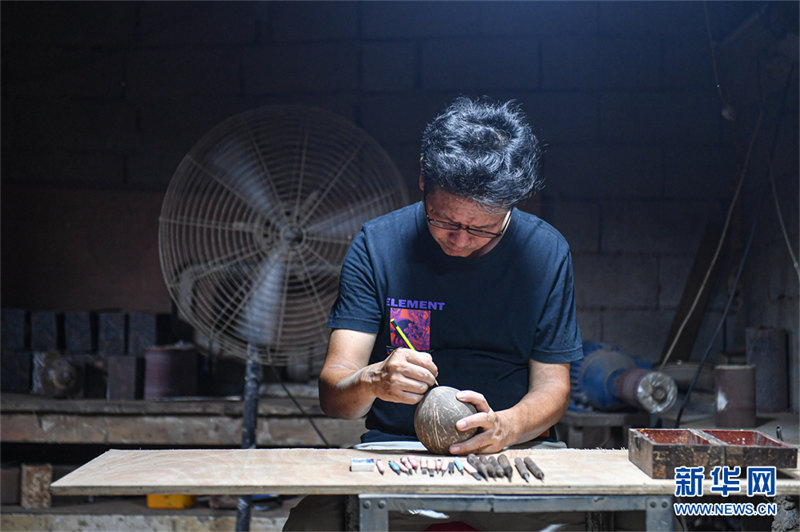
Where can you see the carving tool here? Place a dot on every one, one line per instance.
(394, 466)
(476, 463)
(379, 465)
(451, 468)
(523, 472)
(469, 468)
(402, 466)
(498, 470)
(506, 465)
(459, 466)
(533, 468)
(406, 341)
(431, 467)
(414, 463)
(487, 466)
(404, 461)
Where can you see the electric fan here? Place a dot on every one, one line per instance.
(253, 230)
(256, 222)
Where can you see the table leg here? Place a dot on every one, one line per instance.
(372, 512)
(659, 513)
(596, 521)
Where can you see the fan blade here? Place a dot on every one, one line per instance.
(262, 313)
(343, 224)
(184, 291)
(335, 175)
(242, 170)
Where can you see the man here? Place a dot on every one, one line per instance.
(482, 290)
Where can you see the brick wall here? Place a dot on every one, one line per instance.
(639, 158)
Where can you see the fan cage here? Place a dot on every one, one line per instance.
(256, 222)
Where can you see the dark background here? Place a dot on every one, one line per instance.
(101, 100)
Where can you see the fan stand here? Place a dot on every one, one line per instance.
(252, 381)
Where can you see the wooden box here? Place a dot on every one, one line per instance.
(658, 452)
(752, 448)
(35, 482)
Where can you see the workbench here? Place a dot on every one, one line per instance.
(588, 480)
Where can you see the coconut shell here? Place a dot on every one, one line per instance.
(436, 416)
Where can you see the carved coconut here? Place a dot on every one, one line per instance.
(436, 416)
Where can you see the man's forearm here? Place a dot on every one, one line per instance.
(538, 410)
(345, 393)
(343, 390)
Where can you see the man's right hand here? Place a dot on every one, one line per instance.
(403, 377)
(348, 383)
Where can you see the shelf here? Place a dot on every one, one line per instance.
(197, 422)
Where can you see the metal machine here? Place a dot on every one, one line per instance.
(608, 379)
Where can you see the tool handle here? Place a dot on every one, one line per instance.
(406, 341)
(533, 468)
(523, 472)
(506, 465)
(498, 469)
(478, 465)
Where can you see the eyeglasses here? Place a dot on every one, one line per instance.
(453, 226)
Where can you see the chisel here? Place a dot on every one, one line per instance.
(487, 466)
(498, 470)
(476, 463)
(506, 465)
(533, 468)
(523, 472)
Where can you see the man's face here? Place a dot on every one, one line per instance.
(446, 207)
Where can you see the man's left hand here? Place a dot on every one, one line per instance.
(496, 431)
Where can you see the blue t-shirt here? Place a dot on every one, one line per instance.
(482, 319)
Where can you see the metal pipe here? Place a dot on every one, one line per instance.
(252, 381)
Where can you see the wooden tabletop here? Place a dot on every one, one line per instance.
(326, 471)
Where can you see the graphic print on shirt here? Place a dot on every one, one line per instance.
(416, 325)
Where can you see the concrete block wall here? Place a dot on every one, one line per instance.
(638, 155)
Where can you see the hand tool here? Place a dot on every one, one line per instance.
(402, 466)
(506, 465)
(498, 470)
(523, 472)
(476, 463)
(404, 461)
(469, 468)
(533, 468)
(459, 466)
(406, 341)
(486, 466)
